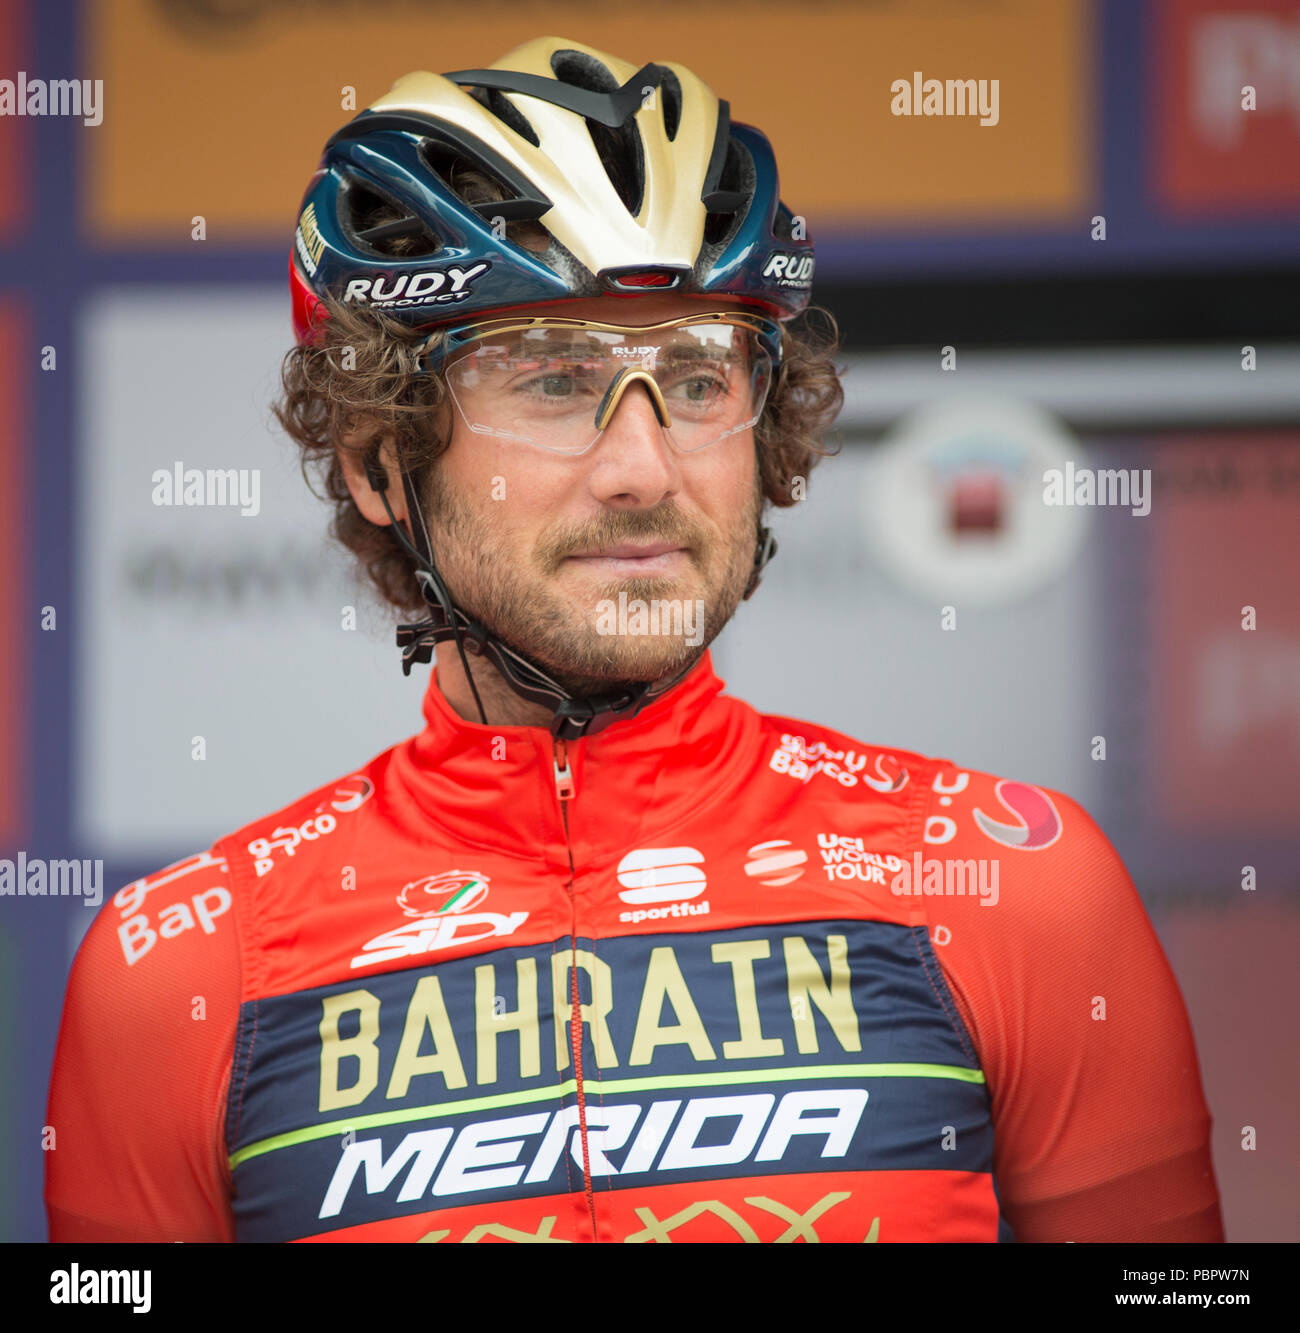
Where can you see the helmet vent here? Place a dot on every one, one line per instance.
(579, 70)
(731, 198)
(473, 182)
(383, 227)
(671, 91)
(507, 112)
(619, 148)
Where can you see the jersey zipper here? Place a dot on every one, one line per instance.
(565, 787)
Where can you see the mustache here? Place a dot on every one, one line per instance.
(663, 524)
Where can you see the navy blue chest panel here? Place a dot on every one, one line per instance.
(807, 1047)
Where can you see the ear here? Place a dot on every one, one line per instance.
(365, 472)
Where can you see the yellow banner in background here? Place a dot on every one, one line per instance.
(220, 108)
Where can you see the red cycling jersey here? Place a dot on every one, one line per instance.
(708, 975)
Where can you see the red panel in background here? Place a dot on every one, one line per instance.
(1235, 963)
(1225, 702)
(14, 418)
(16, 193)
(1210, 157)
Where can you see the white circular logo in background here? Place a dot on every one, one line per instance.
(953, 500)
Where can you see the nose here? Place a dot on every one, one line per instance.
(635, 462)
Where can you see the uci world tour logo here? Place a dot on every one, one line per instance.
(454, 891)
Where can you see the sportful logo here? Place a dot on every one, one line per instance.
(662, 875)
(442, 906)
(775, 863)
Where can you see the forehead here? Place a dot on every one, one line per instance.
(633, 310)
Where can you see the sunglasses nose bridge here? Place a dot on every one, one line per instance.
(609, 403)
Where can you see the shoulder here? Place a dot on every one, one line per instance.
(1061, 895)
(138, 1080)
(1037, 851)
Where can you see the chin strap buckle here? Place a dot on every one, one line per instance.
(416, 642)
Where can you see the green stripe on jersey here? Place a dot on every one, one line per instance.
(606, 1086)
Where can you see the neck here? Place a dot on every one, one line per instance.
(502, 705)
(504, 708)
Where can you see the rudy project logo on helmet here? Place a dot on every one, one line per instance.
(453, 891)
(436, 286)
(788, 270)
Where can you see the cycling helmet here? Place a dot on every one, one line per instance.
(638, 177)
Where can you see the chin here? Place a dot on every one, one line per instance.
(605, 663)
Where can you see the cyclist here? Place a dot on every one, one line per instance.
(602, 953)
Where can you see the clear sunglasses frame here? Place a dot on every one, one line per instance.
(444, 347)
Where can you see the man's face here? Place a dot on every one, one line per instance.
(532, 543)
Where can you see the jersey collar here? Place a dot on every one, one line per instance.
(494, 787)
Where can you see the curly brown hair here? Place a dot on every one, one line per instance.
(360, 379)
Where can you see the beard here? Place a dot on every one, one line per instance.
(519, 601)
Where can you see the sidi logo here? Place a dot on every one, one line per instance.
(442, 905)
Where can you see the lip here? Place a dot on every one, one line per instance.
(629, 551)
(628, 559)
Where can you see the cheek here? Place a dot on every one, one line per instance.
(725, 485)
